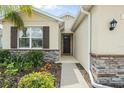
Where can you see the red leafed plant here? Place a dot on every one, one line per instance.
(47, 66)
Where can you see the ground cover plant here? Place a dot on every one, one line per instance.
(17, 67)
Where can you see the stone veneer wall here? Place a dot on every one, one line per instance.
(108, 69)
(49, 55)
(52, 55)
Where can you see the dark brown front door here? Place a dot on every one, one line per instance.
(66, 44)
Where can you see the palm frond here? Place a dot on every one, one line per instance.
(16, 19)
(5, 9)
(27, 9)
(10, 13)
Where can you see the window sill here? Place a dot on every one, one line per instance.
(30, 48)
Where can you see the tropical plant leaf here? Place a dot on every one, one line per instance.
(27, 9)
(11, 13)
(16, 19)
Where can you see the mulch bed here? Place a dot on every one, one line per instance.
(84, 74)
(56, 71)
(14, 79)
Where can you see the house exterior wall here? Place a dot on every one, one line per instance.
(60, 42)
(6, 35)
(105, 41)
(35, 20)
(107, 47)
(80, 43)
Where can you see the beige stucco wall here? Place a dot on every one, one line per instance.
(80, 43)
(105, 41)
(35, 20)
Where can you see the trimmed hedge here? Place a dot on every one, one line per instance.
(4, 54)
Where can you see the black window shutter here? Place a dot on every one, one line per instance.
(13, 37)
(45, 36)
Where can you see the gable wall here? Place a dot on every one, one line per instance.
(68, 23)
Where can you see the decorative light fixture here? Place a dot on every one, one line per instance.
(113, 24)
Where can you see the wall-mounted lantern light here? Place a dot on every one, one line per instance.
(113, 24)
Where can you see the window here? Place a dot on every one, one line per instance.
(31, 37)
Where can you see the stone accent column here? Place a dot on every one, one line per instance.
(52, 55)
(108, 69)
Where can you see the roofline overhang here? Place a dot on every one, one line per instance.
(80, 16)
(48, 14)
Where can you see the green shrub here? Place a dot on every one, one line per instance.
(11, 70)
(4, 65)
(34, 56)
(27, 66)
(37, 80)
(18, 60)
(7, 83)
(27, 60)
(17, 57)
(4, 54)
(21, 60)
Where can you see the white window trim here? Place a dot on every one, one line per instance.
(30, 42)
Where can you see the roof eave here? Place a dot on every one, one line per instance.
(80, 16)
(47, 14)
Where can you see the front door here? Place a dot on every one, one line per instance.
(66, 44)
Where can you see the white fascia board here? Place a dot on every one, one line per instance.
(75, 21)
(78, 21)
(80, 16)
(47, 14)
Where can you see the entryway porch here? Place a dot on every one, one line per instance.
(67, 43)
(71, 77)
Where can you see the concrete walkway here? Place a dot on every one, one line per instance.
(71, 77)
(68, 59)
